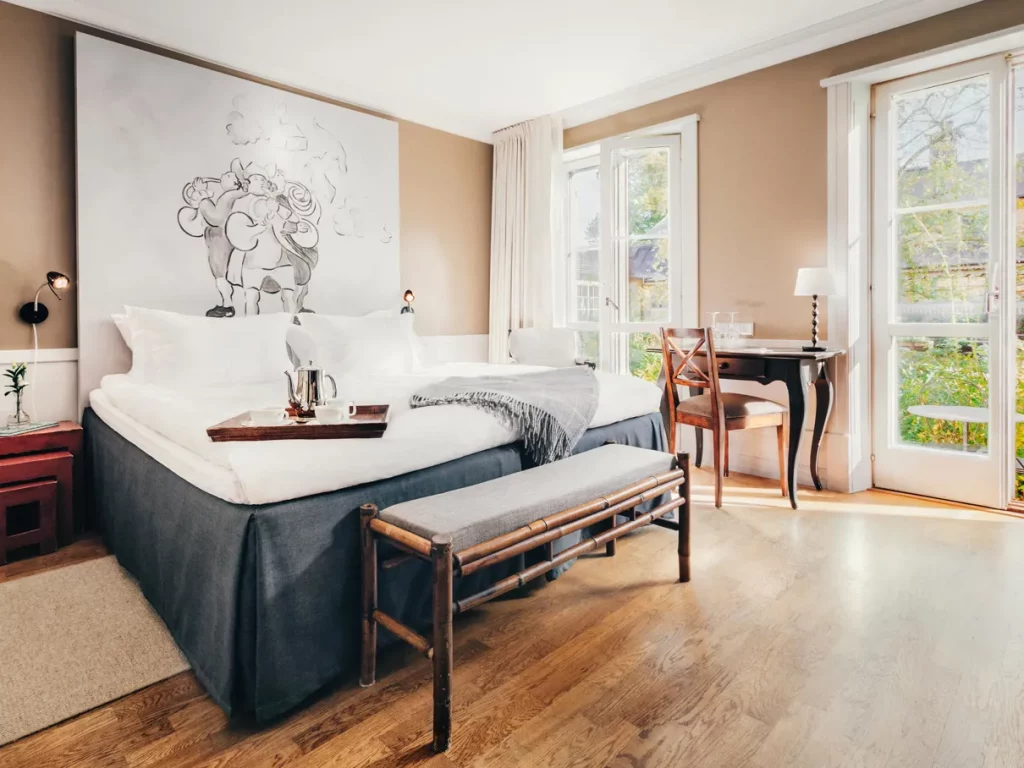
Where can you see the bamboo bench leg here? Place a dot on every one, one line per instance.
(369, 546)
(441, 558)
(683, 460)
(609, 548)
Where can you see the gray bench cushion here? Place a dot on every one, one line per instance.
(482, 512)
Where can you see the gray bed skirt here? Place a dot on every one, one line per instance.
(264, 600)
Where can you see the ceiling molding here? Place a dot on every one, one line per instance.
(1000, 42)
(882, 16)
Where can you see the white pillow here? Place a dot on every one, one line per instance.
(372, 344)
(121, 321)
(185, 352)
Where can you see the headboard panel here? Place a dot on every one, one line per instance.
(200, 192)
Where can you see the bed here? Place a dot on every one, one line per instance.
(249, 551)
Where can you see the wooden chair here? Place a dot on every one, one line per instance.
(720, 412)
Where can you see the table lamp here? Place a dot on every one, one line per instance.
(814, 282)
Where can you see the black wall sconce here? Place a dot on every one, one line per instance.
(409, 297)
(34, 312)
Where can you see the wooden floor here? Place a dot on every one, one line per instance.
(871, 630)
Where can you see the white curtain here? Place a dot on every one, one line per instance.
(526, 229)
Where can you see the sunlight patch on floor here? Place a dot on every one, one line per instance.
(746, 491)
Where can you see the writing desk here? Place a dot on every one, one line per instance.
(797, 369)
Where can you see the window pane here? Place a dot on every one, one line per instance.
(942, 143)
(588, 346)
(648, 281)
(647, 192)
(943, 266)
(586, 286)
(585, 207)
(643, 364)
(943, 392)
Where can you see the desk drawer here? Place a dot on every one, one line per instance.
(740, 367)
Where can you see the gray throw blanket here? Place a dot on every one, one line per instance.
(551, 409)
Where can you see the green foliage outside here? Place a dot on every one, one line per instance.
(643, 364)
(942, 157)
(647, 187)
(942, 372)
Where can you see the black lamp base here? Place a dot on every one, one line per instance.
(814, 348)
(33, 313)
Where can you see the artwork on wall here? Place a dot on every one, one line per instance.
(204, 193)
(261, 235)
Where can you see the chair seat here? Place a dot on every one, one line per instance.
(737, 406)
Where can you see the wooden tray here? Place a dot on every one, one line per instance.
(369, 421)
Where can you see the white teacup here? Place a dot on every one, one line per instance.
(335, 413)
(266, 417)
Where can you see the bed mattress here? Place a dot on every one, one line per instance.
(170, 427)
(203, 474)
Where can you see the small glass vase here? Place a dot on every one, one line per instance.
(19, 418)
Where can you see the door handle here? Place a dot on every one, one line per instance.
(992, 300)
(609, 303)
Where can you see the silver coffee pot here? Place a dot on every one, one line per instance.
(307, 391)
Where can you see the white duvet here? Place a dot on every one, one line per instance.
(415, 438)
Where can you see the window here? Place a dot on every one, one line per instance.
(631, 264)
(585, 243)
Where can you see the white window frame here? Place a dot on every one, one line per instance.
(683, 237)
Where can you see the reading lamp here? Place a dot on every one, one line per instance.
(34, 313)
(408, 297)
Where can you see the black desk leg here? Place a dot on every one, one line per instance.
(796, 385)
(824, 395)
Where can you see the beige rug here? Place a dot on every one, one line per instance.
(75, 638)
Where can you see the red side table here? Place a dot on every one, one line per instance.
(37, 473)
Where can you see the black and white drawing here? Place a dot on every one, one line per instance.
(261, 236)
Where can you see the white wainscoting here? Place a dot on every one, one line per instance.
(454, 349)
(52, 394)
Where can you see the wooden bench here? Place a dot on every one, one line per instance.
(471, 528)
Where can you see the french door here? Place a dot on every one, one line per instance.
(624, 255)
(942, 353)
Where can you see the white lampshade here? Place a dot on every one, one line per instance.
(814, 281)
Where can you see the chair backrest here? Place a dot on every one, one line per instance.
(555, 347)
(682, 369)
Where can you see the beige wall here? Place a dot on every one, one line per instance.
(445, 198)
(445, 192)
(762, 157)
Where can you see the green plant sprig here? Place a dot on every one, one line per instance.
(16, 373)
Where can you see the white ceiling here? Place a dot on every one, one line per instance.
(474, 66)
